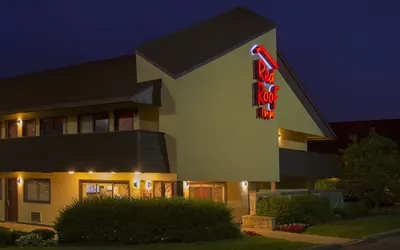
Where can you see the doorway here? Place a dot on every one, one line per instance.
(11, 200)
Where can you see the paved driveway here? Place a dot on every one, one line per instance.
(391, 243)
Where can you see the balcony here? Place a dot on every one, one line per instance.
(295, 163)
(123, 151)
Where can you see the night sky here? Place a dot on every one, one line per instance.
(344, 51)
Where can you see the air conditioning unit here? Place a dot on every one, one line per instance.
(36, 216)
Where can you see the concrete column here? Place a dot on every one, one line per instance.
(273, 186)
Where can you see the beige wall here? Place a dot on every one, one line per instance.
(64, 188)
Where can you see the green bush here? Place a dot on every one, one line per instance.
(134, 221)
(352, 210)
(45, 234)
(326, 184)
(305, 208)
(15, 235)
(5, 236)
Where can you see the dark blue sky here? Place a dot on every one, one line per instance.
(344, 51)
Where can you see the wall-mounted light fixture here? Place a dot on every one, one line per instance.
(112, 172)
(19, 122)
(279, 136)
(244, 184)
(71, 172)
(149, 184)
(91, 172)
(136, 183)
(20, 181)
(186, 184)
(136, 173)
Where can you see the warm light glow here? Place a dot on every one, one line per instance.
(19, 122)
(186, 184)
(149, 184)
(112, 172)
(136, 183)
(279, 136)
(137, 173)
(244, 184)
(19, 181)
(71, 172)
(91, 172)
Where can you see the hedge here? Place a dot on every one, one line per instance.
(8, 237)
(304, 208)
(137, 221)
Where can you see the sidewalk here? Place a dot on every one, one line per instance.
(300, 237)
(22, 227)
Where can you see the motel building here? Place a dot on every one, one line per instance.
(212, 111)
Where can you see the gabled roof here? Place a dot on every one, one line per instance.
(101, 82)
(181, 52)
(294, 83)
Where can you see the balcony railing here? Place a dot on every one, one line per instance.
(124, 151)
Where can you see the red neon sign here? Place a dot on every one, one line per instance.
(265, 90)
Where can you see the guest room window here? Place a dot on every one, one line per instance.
(94, 123)
(12, 129)
(104, 188)
(163, 189)
(29, 127)
(37, 190)
(53, 126)
(123, 120)
(212, 191)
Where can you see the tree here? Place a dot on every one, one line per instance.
(374, 162)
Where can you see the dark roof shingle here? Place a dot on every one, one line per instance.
(183, 51)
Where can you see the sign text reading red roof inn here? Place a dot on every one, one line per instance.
(264, 90)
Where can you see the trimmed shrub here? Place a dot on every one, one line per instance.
(46, 234)
(326, 184)
(304, 208)
(352, 210)
(134, 221)
(5, 236)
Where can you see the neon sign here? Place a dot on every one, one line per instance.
(264, 90)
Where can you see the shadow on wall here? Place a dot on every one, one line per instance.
(172, 156)
(168, 103)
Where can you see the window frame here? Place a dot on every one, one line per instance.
(173, 186)
(119, 112)
(7, 125)
(93, 115)
(36, 201)
(53, 119)
(224, 184)
(23, 126)
(113, 182)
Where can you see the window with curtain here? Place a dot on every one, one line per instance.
(12, 129)
(37, 191)
(212, 191)
(53, 126)
(104, 188)
(93, 123)
(123, 120)
(29, 127)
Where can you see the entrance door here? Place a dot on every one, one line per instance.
(12, 200)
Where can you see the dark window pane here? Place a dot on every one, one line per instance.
(29, 128)
(54, 126)
(60, 126)
(101, 125)
(86, 124)
(47, 127)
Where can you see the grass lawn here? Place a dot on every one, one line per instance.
(357, 228)
(246, 243)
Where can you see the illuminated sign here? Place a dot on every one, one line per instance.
(264, 90)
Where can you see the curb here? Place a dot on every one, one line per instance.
(371, 238)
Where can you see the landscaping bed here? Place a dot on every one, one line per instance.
(246, 243)
(357, 228)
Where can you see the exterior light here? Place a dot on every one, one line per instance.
(19, 122)
(112, 172)
(19, 181)
(244, 184)
(186, 184)
(137, 173)
(136, 183)
(71, 172)
(91, 172)
(279, 136)
(149, 184)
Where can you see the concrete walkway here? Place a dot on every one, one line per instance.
(316, 239)
(22, 227)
